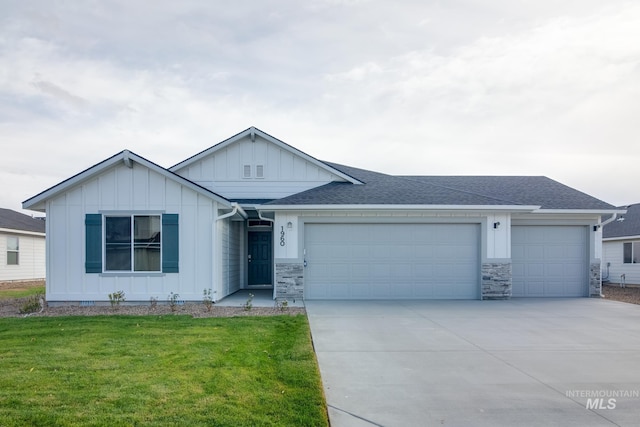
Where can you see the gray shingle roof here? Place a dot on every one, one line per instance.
(629, 226)
(527, 190)
(16, 221)
(382, 189)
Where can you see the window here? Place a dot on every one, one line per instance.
(246, 171)
(259, 171)
(631, 252)
(132, 243)
(13, 250)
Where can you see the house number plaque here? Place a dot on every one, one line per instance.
(282, 236)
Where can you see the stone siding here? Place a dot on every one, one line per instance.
(289, 281)
(496, 280)
(595, 282)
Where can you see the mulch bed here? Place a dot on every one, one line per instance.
(11, 308)
(630, 294)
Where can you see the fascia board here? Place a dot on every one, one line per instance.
(14, 231)
(509, 208)
(272, 140)
(612, 239)
(582, 211)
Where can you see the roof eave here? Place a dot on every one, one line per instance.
(581, 211)
(509, 208)
(610, 239)
(16, 231)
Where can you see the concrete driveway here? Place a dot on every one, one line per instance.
(552, 362)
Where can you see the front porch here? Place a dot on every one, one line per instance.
(261, 298)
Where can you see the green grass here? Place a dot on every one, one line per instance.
(20, 293)
(159, 370)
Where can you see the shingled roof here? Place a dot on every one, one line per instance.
(13, 220)
(625, 225)
(528, 190)
(382, 189)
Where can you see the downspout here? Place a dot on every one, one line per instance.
(601, 225)
(236, 209)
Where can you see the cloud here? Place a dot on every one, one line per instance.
(427, 88)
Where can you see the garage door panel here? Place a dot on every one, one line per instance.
(549, 261)
(380, 261)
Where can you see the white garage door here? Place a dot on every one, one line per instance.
(392, 261)
(549, 261)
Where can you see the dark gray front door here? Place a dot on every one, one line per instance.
(260, 258)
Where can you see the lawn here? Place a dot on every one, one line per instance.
(159, 370)
(20, 293)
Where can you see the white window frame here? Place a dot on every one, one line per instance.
(16, 251)
(132, 243)
(635, 252)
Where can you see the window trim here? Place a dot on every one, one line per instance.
(132, 244)
(635, 252)
(13, 251)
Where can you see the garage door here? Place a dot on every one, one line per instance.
(392, 261)
(549, 261)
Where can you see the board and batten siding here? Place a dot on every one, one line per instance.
(283, 172)
(613, 253)
(31, 258)
(136, 190)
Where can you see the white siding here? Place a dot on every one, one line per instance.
(230, 233)
(128, 190)
(31, 258)
(284, 173)
(612, 253)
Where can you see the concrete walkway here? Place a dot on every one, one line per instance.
(261, 298)
(524, 362)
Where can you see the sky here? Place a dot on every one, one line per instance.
(404, 87)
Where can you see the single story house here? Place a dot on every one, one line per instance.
(621, 247)
(22, 247)
(254, 212)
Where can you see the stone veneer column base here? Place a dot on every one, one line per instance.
(289, 281)
(496, 280)
(595, 284)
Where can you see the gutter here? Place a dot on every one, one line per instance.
(236, 209)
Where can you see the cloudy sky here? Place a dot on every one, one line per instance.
(457, 87)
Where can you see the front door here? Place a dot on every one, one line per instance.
(260, 258)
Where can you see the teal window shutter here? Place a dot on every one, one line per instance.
(93, 243)
(170, 243)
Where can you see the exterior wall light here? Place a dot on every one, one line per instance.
(496, 225)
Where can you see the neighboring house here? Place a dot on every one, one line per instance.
(621, 247)
(22, 247)
(254, 212)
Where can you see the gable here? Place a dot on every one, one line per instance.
(254, 165)
(124, 185)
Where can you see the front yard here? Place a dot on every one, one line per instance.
(159, 370)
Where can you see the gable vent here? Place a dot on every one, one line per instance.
(246, 171)
(259, 171)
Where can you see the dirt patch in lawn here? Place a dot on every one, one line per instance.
(630, 294)
(21, 285)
